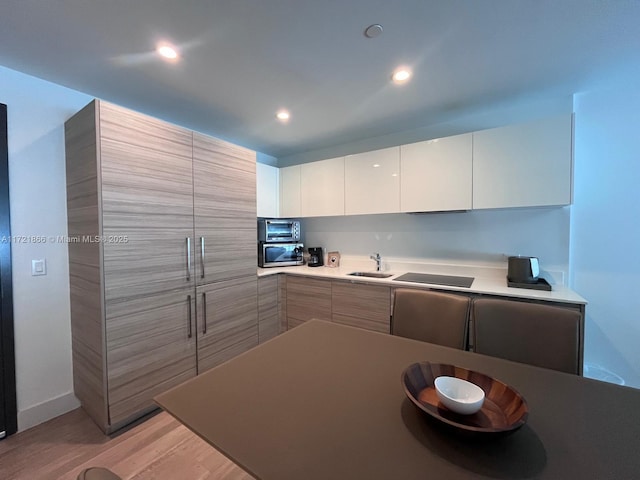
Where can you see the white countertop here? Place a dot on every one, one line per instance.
(487, 279)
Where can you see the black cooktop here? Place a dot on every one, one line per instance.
(448, 280)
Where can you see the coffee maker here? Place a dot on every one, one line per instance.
(315, 257)
(523, 269)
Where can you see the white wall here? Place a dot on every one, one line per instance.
(36, 114)
(605, 232)
(477, 237)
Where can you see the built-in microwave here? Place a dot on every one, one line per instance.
(280, 254)
(278, 230)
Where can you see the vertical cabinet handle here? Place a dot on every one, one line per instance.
(188, 259)
(204, 313)
(190, 334)
(202, 257)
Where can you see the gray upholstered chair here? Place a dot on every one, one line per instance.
(433, 317)
(98, 473)
(542, 335)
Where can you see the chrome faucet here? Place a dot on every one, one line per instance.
(376, 256)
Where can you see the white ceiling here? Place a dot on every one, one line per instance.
(244, 59)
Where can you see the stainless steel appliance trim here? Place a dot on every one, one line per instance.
(190, 334)
(204, 313)
(188, 259)
(202, 256)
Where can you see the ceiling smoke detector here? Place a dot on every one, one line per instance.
(373, 30)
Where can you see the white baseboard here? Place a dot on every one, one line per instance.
(44, 411)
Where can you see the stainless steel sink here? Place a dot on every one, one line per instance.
(370, 274)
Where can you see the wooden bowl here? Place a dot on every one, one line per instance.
(503, 410)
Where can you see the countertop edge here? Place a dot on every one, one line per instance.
(481, 285)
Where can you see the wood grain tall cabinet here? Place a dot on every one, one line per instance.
(144, 204)
(224, 178)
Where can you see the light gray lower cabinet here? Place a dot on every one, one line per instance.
(356, 304)
(147, 350)
(227, 320)
(307, 298)
(361, 305)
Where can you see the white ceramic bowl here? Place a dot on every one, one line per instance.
(459, 395)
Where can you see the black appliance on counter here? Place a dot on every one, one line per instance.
(315, 257)
(523, 272)
(523, 269)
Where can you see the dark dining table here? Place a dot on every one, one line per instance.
(325, 401)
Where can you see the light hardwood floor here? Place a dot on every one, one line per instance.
(158, 448)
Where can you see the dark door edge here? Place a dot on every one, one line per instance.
(7, 363)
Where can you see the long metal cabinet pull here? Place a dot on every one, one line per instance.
(202, 256)
(190, 334)
(188, 259)
(204, 313)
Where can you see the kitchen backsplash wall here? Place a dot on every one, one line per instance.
(478, 237)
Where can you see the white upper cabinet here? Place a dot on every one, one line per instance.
(290, 191)
(436, 175)
(372, 182)
(523, 165)
(267, 191)
(322, 188)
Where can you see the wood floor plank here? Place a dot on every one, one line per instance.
(158, 448)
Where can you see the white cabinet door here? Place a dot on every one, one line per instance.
(267, 191)
(289, 192)
(436, 175)
(523, 165)
(322, 188)
(372, 182)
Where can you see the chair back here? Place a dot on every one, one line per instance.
(543, 335)
(433, 317)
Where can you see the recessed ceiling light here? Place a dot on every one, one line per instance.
(401, 75)
(376, 165)
(283, 115)
(167, 51)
